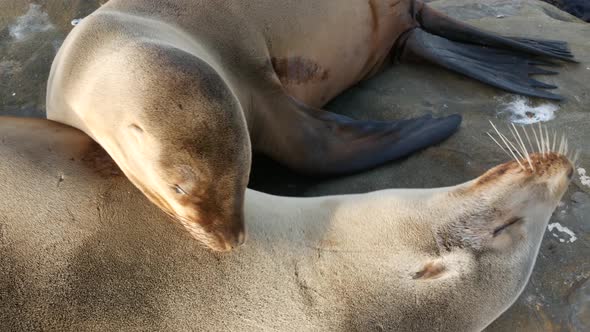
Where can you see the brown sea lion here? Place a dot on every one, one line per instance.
(83, 250)
(179, 92)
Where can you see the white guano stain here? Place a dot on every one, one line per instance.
(562, 229)
(33, 21)
(522, 112)
(585, 179)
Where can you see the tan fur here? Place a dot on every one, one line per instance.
(83, 250)
(163, 83)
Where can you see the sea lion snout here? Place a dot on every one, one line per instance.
(230, 229)
(219, 226)
(233, 241)
(513, 202)
(219, 233)
(230, 239)
(557, 172)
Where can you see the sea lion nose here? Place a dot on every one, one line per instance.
(232, 237)
(237, 241)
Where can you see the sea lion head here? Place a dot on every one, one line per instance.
(520, 194)
(488, 231)
(188, 148)
(511, 202)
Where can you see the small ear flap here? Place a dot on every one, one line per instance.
(431, 270)
(136, 129)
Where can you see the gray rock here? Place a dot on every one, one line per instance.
(31, 32)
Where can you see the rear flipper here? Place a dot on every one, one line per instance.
(317, 142)
(442, 25)
(502, 62)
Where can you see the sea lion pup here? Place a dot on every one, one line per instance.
(81, 249)
(180, 92)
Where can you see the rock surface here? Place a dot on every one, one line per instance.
(558, 296)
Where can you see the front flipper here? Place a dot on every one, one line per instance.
(318, 142)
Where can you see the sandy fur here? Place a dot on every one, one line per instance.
(82, 249)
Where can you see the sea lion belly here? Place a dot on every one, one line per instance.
(325, 48)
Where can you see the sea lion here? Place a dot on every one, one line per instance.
(179, 92)
(81, 249)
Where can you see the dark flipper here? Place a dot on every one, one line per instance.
(322, 143)
(502, 62)
(500, 68)
(442, 25)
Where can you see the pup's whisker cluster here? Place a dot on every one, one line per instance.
(517, 149)
(505, 139)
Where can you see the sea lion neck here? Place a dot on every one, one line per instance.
(342, 222)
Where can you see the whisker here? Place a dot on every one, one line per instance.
(526, 152)
(542, 136)
(514, 148)
(500, 135)
(537, 140)
(516, 142)
(501, 147)
(576, 156)
(526, 134)
(561, 144)
(504, 140)
(547, 141)
(512, 151)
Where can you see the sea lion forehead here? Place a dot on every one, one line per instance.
(186, 172)
(497, 172)
(180, 73)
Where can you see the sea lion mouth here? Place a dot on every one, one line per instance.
(215, 240)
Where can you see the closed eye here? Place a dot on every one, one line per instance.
(179, 190)
(506, 225)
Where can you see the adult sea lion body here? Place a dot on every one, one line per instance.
(179, 92)
(81, 249)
